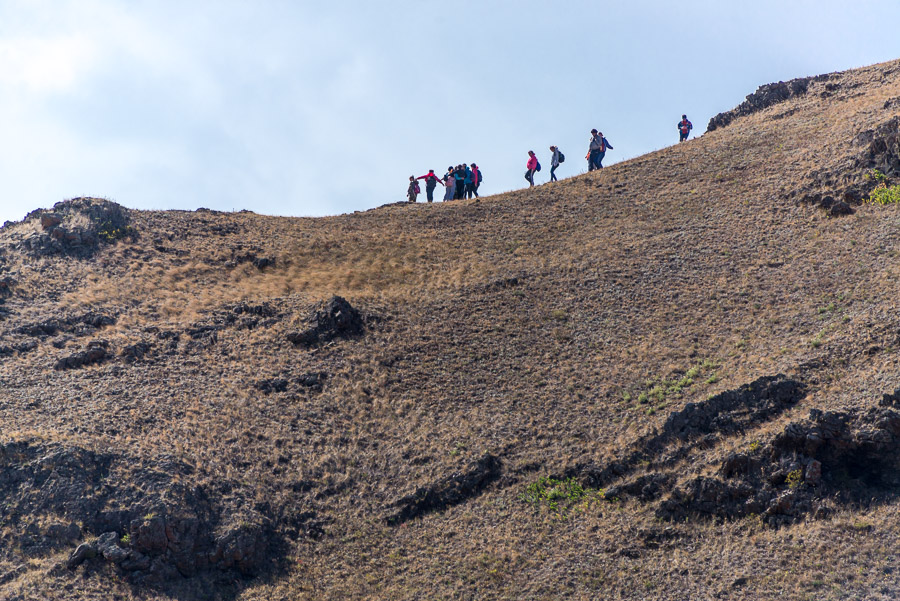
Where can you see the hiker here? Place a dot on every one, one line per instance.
(597, 150)
(460, 174)
(431, 182)
(413, 189)
(449, 184)
(467, 180)
(476, 181)
(555, 160)
(532, 166)
(684, 128)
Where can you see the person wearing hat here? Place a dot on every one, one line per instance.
(431, 182)
(554, 163)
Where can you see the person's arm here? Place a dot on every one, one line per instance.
(608, 145)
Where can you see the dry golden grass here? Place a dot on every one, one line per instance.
(689, 254)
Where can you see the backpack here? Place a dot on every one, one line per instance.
(418, 191)
(562, 158)
(480, 175)
(538, 168)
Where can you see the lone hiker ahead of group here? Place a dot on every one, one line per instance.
(597, 150)
(684, 128)
(431, 182)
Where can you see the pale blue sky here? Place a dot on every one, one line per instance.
(316, 108)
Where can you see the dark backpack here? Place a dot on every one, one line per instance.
(562, 158)
(538, 168)
(480, 175)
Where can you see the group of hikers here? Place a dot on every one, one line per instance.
(462, 181)
(459, 182)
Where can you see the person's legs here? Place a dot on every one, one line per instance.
(460, 190)
(475, 189)
(529, 175)
(592, 161)
(600, 156)
(429, 193)
(553, 174)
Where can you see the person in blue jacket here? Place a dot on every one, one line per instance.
(597, 150)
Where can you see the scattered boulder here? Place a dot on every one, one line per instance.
(6, 286)
(96, 352)
(108, 546)
(839, 208)
(337, 319)
(449, 491)
(270, 385)
(134, 352)
(83, 552)
(315, 380)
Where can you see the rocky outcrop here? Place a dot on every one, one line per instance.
(698, 425)
(96, 352)
(764, 97)
(446, 492)
(135, 516)
(337, 319)
(76, 227)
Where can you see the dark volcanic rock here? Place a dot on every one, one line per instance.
(337, 319)
(95, 353)
(270, 385)
(77, 227)
(764, 97)
(840, 208)
(161, 530)
(452, 490)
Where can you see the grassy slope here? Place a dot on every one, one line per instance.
(639, 272)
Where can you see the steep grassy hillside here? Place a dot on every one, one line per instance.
(674, 378)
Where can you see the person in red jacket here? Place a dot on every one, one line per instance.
(684, 128)
(431, 182)
(532, 167)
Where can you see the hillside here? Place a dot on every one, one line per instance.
(674, 378)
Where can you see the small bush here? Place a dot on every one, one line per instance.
(882, 194)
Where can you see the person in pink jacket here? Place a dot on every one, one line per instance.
(532, 167)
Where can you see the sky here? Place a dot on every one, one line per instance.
(317, 108)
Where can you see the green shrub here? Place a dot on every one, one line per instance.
(883, 194)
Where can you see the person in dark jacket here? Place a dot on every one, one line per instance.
(460, 174)
(476, 181)
(597, 150)
(431, 182)
(684, 128)
(413, 191)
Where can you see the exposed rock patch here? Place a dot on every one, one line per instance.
(96, 352)
(700, 424)
(452, 490)
(337, 319)
(76, 227)
(154, 529)
(764, 97)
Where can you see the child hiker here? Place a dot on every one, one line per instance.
(413, 189)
